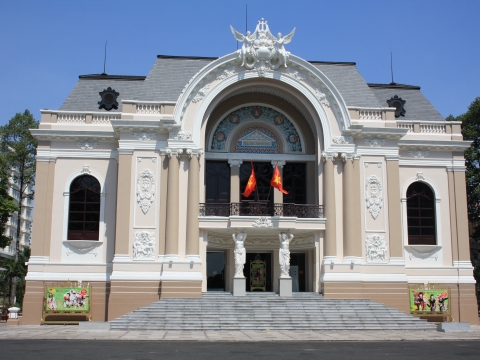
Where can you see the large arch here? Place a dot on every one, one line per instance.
(313, 90)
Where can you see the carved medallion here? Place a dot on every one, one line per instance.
(373, 196)
(144, 136)
(145, 190)
(263, 222)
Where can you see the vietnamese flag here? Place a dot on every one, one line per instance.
(276, 181)
(251, 185)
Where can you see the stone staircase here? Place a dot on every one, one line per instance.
(261, 311)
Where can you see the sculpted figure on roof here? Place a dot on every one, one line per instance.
(261, 50)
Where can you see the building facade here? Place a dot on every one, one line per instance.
(140, 184)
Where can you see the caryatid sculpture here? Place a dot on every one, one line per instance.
(284, 253)
(240, 253)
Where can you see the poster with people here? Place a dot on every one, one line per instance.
(67, 299)
(433, 301)
(258, 279)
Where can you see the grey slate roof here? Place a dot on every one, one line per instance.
(417, 107)
(170, 74)
(350, 83)
(85, 97)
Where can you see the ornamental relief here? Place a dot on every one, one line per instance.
(376, 247)
(145, 190)
(144, 246)
(373, 196)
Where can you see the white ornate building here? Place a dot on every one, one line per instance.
(140, 181)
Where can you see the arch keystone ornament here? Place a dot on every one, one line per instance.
(261, 50)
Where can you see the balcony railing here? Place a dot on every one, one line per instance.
(261, 209)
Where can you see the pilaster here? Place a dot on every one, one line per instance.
(329, 203)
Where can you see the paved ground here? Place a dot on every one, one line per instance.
(72, 332)
(75, 349)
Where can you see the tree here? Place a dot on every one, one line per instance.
(471, 131)
(14, 269)
(18, 148)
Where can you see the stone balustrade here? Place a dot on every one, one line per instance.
(431, 127)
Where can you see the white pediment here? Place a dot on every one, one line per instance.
(256, 138)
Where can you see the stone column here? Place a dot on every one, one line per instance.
(278, 195)
(329, 204)
(351, 239)
(235, 179)
(394, 208)
(192, 249)
(171, 231)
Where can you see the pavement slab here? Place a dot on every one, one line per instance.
(72, 332)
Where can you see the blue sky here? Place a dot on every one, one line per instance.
(45, 45)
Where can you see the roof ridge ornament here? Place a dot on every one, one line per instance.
(261, 50)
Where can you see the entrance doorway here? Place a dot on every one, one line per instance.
(297, 271)
(267, 273)
(215, 271)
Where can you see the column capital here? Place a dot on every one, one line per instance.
(235, 162)
(347, 156)
(329, 156)
(172, 152)
(194, 152)
(280, 163)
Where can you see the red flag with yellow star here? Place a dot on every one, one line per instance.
(251, 185)
(276, 181)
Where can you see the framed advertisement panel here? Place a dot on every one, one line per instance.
(66, 303)
(431, 300)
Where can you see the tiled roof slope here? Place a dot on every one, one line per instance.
(85, 95)
(350, 83)
(170, 74)
(417, 107)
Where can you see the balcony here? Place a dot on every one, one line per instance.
(261, 209)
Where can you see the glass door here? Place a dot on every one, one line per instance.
(215, 271)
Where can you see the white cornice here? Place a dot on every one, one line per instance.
(50, 134)
(432, 145)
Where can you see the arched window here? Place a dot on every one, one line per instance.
(84, 209)
(421, 214)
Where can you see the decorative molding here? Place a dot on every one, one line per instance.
(225, 74)
(423, 251)
(418, 154)
(144, 246)
(201, 94)
(329, 156)
(420, 176)
(173, 152)
(85, 170)
(376, 247)
(145, 190)
(260, 241)
(139, 159)
(303, 241)
(180, 135)
(144, 136)
(373, 196)
(379, 164)
(375, 142)
(81, 247)
(86, 145)
(261, 50)
(218, 240)
(297, 75)
(321, 97)
(341, 140)
(263, 222)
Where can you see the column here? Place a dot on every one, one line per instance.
(351, 240)
(124, 190)
(329, 203)
(235, 179)
(171, 230)
(278, 195)
(192, 249)
(394, 208)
